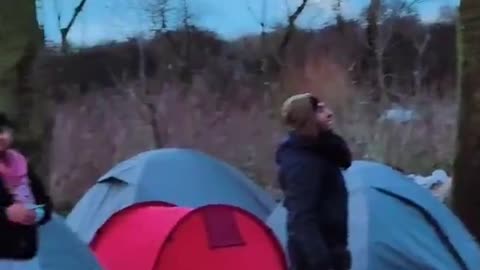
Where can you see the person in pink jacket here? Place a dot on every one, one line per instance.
(24, 204)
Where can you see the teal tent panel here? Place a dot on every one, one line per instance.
(61, 249)
(371, 175)
(396, 224)
(190, 178)
(182, 177)
(414, 245)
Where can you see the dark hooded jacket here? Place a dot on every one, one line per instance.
(20, 241)
(315, 197)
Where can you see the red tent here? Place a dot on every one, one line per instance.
(152, 236)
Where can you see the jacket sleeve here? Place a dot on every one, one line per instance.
(41, 196)
(302, 191)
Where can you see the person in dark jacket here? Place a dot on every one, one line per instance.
(24, 204)
(310, 162)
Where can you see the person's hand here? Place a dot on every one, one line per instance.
(18, 213)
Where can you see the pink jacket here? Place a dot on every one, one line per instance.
(13, 171)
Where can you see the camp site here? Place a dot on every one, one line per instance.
(171, 203)
(239, 135)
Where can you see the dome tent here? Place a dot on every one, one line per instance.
(396, 224)
(178, 176)
(150, 236)
(59, 249)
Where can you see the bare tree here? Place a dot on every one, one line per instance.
(420, 42)
(381, 43)
(380, 22)
(406, 7)
(141, 95)
(188, 27)
(168, 14)
(372, 34)
(262, 21)
(466, 199)
(290, 31)
(65, 30)
(159, 11)
(21, 39)
(337, 9)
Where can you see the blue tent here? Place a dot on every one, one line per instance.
(59, 249)
(395, 224)
(177, 176)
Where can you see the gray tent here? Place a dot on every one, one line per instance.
(396, 224)
(177, 176)
(59, 249)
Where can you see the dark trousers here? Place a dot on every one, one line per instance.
(300, 260)
(330, 258)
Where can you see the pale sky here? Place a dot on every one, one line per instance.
(107, 20)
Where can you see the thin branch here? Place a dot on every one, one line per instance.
(264, 12)
(188, 26)
(161, 10)
(64, 31)
(421, 45)
(292, 18)
(291, 27)
(262, 21)
(408, 5)
(77, 11)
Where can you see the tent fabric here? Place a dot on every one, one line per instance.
(127, 241)
(148, 236)
(59, 249)
(395, 224)
(178, 176)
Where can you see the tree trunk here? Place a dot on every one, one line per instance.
(19, 33)
(340, 21)
(20, 40)
(289, 32)
(374, 56)
(466, 191)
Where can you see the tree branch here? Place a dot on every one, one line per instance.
(64, 31)
(408, 5)
(291, 27)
